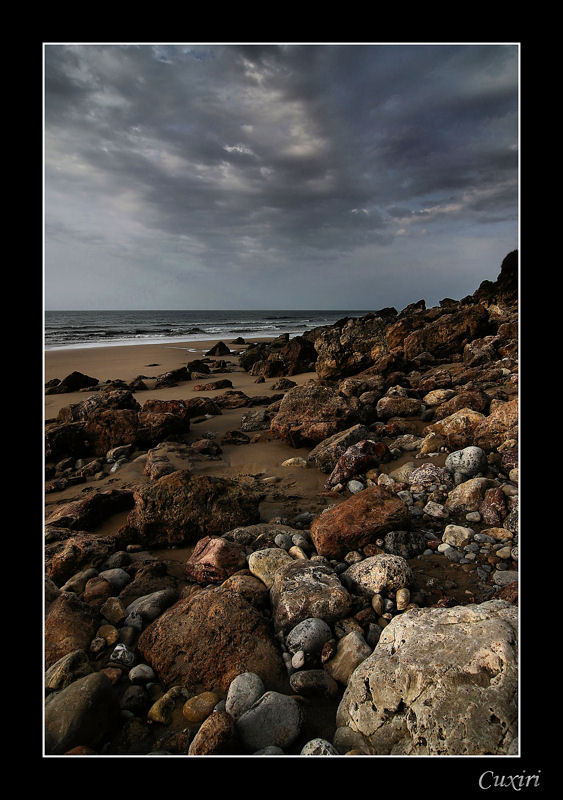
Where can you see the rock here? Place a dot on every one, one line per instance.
(66, 670)
(181, 508)
(152, 605)
(217, 736)
(89, 513)
(440, 681)
(309, 635)
(311, 413)
(151, 577)
(243, 692)
(475, 399)
(357, 521)
(449, 333)
(258, 420)
(355, 460)
(395, 406)
(219, 349)
(73, 383)
(214, 560)
(402, 599)
(467, 497)
(318, 747)
(294, 462)
(458, 429)
(142, 673)
(466, 463)
(352, 649)
(313, 683)
(500, 426)
(264, 564)
(456, 535)
(117, 578)
(493, 507)
(377, 574)
(275, 719)
(198, 708)
(113, 610)
(249, 587)
(436, 510)
(326, 454)
(428, 475)
(306, 589)
(70, 625)
(81, 714)
(208, 639)
(163, 709)
(73, 559)
(437, 396)
(498, 533)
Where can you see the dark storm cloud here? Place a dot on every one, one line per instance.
(216, 163)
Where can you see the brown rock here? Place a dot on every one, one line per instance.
(208, 639)
(78, 552)
(357, 521)
(70, 625)
(214, 559)
(96, 592)
(458, 429)
(217, 736)
(87, 514)
(311, 413)
(394, 406)
(449, 333)
(181, 508)
(500, 425)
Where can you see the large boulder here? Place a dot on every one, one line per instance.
(70, 625)
(208, 639)
(500, 425)
(306, 589)
(441, 681)
(109, 427)
(311, 413)
(81, 714)
(180, 508)
(358, 521)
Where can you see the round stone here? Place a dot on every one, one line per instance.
(243, 692)
(319, 747)
(308, 636)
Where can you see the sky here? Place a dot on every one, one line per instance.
(279, 176)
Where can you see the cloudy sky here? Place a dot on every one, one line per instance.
(279, 176)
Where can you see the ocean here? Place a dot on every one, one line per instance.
(71, 329)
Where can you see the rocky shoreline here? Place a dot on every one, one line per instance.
(360, 598)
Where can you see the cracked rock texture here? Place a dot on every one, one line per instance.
(440, 681)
